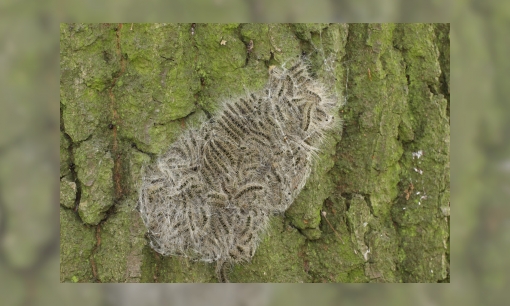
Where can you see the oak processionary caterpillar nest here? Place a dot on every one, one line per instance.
(210, 196)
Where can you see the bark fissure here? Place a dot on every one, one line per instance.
(116, 151)
(92, 259)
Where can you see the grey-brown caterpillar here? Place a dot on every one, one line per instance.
(210, 196)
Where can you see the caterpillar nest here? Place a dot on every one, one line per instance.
(210, 196)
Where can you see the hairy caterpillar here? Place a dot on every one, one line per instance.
(211, 195)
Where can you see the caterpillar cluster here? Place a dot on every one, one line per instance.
(210, 196)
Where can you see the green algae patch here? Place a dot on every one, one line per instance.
(375, 165)
(64, 155)
(76, 244)
(333, 257)
(418, 215)
(442, 31)
(305, 212)
(224, 70)
(119, 255)
(158, 80)
(358, 218)
(84, 113)
(328, 260)
(176, 269)
(304, 30)
(136, 161)
(67, 193)
(272, 265)
(272, 43)
(94, 166)
(278, 258)
(326, 45)
(257, 34)
(89, 63)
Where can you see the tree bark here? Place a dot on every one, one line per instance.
(376, 207)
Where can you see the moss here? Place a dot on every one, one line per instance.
(278, 258)
(442, 31)
(67, 193)
(64, 155)
(304, 213)
(417, 215)
(303, 30)
(184, 270)
(153, 80)
(88, 64)
(333, 258)
(405, 130)
(94, 166)
(119, 256)
(136, 161)
(221, 78)
(76, 244)
(311, 233)
(374, 152)
(84, 114)
(149, 268)
(327, 44)
(257, 33)
(358, 218)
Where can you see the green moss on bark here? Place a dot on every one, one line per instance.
(119, 255)
(64, 155)
(67, 193)
(76, 244)
(94, 166)
(88, 64)
(305, 212)
(278, 258)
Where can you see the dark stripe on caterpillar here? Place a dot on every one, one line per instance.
(247, 189)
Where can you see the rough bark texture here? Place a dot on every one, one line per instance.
(376, 208)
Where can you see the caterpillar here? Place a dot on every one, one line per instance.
(233, 164)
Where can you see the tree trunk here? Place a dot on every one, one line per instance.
(376, 207)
